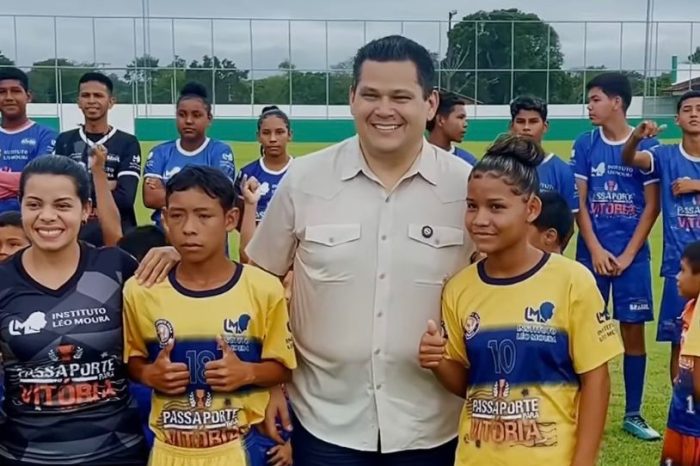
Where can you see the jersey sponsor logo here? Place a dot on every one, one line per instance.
(603, 316)
(639, 306)
(496, 418)
(535, 328)
(264, 188)
(91, 316)
(598, 170)
(227, 157)
(172, 172)
(611, 202)
(541, 315)
(237, 327)
(194, 423)
(35, 323)
(29, 142)
(68, 381)
(472, 325)
(164, 331)
(607, 326)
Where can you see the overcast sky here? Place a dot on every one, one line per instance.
(118, 41)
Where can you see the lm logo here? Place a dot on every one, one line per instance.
(35, 323)
(598, 170)
(237, 326)
(603, 316)
(540, 316)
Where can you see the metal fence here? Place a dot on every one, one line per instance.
(307, 62)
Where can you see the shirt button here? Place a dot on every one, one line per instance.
(331, 239)
(378, 387)
(377, 351)
(380, 313)
(382, 276)
(383, 237)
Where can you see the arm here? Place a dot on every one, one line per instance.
(634, 158)
(9, 183)
(453, 376)
(153, 186)
(646, 223)
(583, 218)
(592, 410)
(107, 212)
(696, 379)
(251, 195)
(47, 142)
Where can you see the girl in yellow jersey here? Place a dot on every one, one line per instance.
(527, 337)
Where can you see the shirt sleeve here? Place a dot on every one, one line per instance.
(650, 145)
(130, 160)
(46, 142)
(453, 327)
(593, 337)
(569, 188)
(274, 244)
(128, 264)
(278, 344)
(134, 342)
(225, 161)
(691, 341)
(59, 147)
(580, 157)
(128, 177)
(155, 164)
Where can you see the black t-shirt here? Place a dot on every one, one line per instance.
(123, 163)
(66, 394)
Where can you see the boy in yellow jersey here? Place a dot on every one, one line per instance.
(682, 437)
(210, 338)
(528, 338)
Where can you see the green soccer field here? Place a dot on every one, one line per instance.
(619, 449)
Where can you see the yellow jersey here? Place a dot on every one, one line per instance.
(525, 341)
(249, 312)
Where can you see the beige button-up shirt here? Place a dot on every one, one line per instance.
(369, 267)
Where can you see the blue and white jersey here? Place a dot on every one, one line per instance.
(615, 198)
(681, 214)
(556, 176)
(167, 159)
(269, 179)
(18, 148)
(464, 155)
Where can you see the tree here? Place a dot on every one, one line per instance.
(484, 41)
(5, 61)
(45, 80)
(695, 56)
(231, 85)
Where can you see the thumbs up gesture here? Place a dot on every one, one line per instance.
(228, 373)
(432, 347)
(165, 376)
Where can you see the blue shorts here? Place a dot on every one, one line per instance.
(672, 304)
(257, 445)
(631, 293)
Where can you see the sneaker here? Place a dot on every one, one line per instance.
(637, 426)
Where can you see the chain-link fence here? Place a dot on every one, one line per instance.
(308, 62)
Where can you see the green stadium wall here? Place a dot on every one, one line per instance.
(309, 130)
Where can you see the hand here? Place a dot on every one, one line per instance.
(155, 265)
(624, 260)
(165, 376)
(604, 263)
(647, 129)
(250, 188)
(280, 455)
(432, 347)
(287, 283)
(98, 159)
(228, 373)
(277, 408)
(154, 183)
(684, 186)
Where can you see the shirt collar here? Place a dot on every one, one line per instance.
(353, 162)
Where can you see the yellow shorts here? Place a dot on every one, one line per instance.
(231, 454)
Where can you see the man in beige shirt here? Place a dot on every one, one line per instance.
(373, 227)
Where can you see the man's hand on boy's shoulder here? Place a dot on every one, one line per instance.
(156, 265)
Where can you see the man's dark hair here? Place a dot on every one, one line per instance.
(448, 101)
(7, 73)
(397, 48)
(613, 85)
(140, 240)
(691, 254)
(11, 219)
(528, 102)
(687, 96)
(97, 77)
(555, 214)
(210, 180)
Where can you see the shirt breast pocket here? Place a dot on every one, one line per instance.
(436, 252)
(329, 251)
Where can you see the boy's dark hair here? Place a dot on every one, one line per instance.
(94, 76)
(613, 85)
(691, 254)
(528, 102)
(210, 180)
(515, 158)
(448, 101)
(11, 219)
(140, 240)
(555, 214)
(694, 94)
(397, 48)
(15, 74)
(61, 166)
(195, 90)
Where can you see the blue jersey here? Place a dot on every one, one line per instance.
(464, 155)
(556, 176)
(615, 199)
(681, 214)
(167, 159)
(19, 147)
(268, 179)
